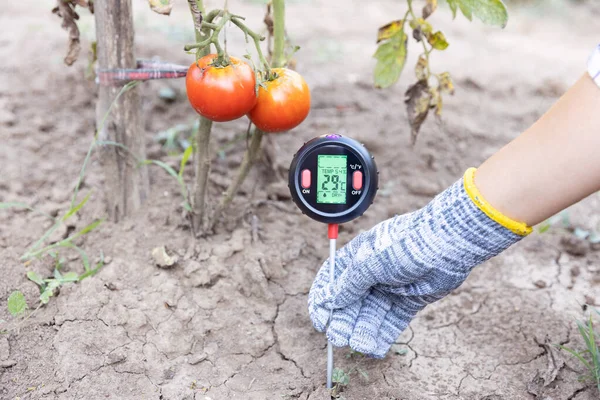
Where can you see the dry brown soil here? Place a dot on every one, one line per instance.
(229, 321)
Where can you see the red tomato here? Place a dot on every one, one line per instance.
(284, 104)
(221, 93)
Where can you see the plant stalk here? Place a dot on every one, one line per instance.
(202, 140)
(250, 157)
(279, 60)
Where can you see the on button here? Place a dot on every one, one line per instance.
(305, 179)
(357, 180)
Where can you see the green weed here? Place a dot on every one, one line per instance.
(590, 357)
(341, 378)
(16, 303)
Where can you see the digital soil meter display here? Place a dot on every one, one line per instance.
(333, 179)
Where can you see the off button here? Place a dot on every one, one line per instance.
(305, 179)
(357, 180)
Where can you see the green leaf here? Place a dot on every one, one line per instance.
(491, 12)
(391, 57)
(45, 296)
(438, 41)
(35, 277)
(340, 377)
(70, 277)
(453, 6)
(186, 156)
(73, 210)
(466, 8)
(16, 303)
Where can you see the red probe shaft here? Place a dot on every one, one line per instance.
(332, 231)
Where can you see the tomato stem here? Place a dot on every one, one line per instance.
(201, 140)
(279, 33)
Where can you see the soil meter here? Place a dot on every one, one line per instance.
(333, 179)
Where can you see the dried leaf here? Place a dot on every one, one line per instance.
(421, 68)
(391, 57)
(417, 102)
(430, 7)
(438, 41)
(387, 31)
(446, 83)
(436, 101)
(163, 7)
(65, 10)
(420, 28)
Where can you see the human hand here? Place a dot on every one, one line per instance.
(384, 276)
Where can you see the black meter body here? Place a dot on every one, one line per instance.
(333, 179)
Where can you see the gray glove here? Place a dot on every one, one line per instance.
(384, 276)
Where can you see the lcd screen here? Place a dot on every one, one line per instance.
(331, 178)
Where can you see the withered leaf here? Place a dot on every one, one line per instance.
(389, 30)
(66, 10)
(438, 41)
(420, 28)
(421, 68)
(436, 101)
(446, 83)
(430, 7)
(162, 7)
(417, 102)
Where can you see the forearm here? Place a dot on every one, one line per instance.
(552, 165)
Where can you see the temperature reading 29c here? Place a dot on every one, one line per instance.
(331, 178)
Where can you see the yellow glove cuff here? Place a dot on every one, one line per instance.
(517, 227)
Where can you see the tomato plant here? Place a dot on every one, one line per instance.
(283, 103)
(221, 93)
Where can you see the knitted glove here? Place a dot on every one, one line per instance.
(384, 276)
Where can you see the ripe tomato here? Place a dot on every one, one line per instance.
(221, 93)
(284, 104)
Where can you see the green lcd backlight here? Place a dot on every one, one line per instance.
(331, 178)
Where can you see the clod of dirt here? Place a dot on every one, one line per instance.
(162, 259)
(197, 358)
(4, 349)
(540, 284)
(7, 363)
(590, 300)
(541, 380)
(279, 191)
(574, 246)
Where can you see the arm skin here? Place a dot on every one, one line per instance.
(552, 165)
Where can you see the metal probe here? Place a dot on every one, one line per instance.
(332, 231)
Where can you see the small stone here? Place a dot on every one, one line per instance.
(107, 260)
(540, 284)
(197, 358)
(8, 363)
(169, 374)
(162, 259)
(279, 191)
(589, 300)
(574, 246)
(575, 271)
(4, 349)
(114, 358)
